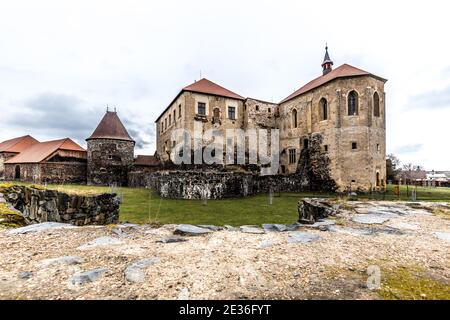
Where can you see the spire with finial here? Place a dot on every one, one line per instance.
(327, 64)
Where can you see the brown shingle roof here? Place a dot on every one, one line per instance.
(207, 87)
(42, 150)
(146, 161)
(343, 71)
(17, 145)
(110, 127)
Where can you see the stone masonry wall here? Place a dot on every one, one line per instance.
(215, 185)
(38, 206)
(50, 172)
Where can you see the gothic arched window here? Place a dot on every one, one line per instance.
(294, 118)
(353, 103)
(323, 105)
(376, 104)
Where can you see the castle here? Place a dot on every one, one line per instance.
(333, 127)
(344, 106)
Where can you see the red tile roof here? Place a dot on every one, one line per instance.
(343, 71)
(42, 150)
(110, 127)
(146, 161)
(207, 87)
(17, 145)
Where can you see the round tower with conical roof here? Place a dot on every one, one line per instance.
(110, 152)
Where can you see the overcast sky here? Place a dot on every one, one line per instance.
(62, 62)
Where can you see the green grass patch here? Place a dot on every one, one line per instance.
(140, 205)
(412, 284)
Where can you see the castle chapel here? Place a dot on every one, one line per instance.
(345, 107)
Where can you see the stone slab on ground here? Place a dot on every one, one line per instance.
(66, 260)
(172, 239)
(100, 242)
(252, 229)
(302, 237)
(190, 230)
(87, 276)
(404, 226)
(370, 218)
(135, 273)
(39, 227)
(443, 235)
(275, 227)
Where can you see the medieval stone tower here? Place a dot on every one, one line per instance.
(110, 152)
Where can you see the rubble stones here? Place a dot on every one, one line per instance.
(312, 210)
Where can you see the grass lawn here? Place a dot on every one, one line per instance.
(145, 206)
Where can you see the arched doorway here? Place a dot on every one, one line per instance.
(17, 172)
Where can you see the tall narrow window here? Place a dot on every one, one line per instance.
(170, 120)
(216, 114)
(201, 108)
(165, 124)
(292, 156)
(376, 104)
(179, 111)
(323, 105)
(232, 113)
(174, 115)
(353, 103)
(294, 118)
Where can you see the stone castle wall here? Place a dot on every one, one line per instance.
(194, 184)
(39, 206)
(48, 172)
(109, 161)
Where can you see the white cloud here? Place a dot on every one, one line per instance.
(136, 55)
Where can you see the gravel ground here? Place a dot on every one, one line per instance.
(226, 264)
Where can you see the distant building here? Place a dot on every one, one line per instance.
(58, 161)
(13, 147)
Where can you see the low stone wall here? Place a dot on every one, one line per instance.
(38, 206)
(50, 172)
(214, 185)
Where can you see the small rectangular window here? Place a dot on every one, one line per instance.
(326, 148)
(201, 108)
(378, 147)
(232, 113)
(354, 145)
(179, 111)
(292, 156)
